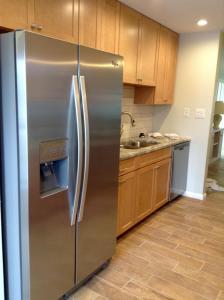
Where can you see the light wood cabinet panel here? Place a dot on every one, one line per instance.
(161, 67)
(171, 60)
(152, 157)
(108, 26)
(166, 68)
(88, 17)
(126, 166)
(161, 183)
(147, 58)
(14, 14)
(56, 18)
(144, 192)
(126, 202)
(129, 42)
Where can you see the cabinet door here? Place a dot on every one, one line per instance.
(147, 59)
(144, 192)
(166, 68)
(108, 26)
(88, 11)
(14, 14)
(56, 18)
(171, 59)
(129, 42)
(126, 202)
(161, 183)
(161, 66)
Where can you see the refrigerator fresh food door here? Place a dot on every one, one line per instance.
(49, 162)
(101, 91)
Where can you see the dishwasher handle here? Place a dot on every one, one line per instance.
(182, 146)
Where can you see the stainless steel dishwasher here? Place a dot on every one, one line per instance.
(179, 169)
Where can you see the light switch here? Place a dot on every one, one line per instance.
(200, 113)
(187, 112)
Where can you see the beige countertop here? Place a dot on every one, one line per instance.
(163, 143)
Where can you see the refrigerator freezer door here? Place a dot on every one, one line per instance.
(50, 66)
(101, 83)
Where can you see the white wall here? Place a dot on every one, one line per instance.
(195, 86)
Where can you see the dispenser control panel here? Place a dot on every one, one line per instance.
(53, 150)
(53, 167)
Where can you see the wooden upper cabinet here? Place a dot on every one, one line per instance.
(56, 18)
(161, 183)
(161, 67)
(14, 14)
(126, 202)
(166, 68)
(88, 17)
(171, 61)
(108, 25)
(148, 46)
(129, 42)
(144, 192)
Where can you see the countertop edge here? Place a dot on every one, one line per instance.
(165, 143)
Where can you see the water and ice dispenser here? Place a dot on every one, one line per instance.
(53, 167)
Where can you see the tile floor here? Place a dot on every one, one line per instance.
(177, 253)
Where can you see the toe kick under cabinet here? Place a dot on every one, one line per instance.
(144, 184)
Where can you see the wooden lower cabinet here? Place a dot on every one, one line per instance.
(161, 183)
(126, 202)
(144, 192)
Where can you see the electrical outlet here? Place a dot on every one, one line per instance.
(200, 113)
(187, 112)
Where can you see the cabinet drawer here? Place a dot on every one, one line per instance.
(127, 166)
(152, 157)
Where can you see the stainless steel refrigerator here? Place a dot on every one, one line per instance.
(60, 118)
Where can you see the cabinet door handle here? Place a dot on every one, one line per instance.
(39, 27)
(33, 26)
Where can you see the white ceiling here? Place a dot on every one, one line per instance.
(182, 15)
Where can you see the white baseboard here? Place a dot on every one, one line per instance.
(197, 196)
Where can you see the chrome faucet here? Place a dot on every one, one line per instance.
(131, 119)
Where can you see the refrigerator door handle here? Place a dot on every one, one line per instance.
(80, 149)
(87, 147)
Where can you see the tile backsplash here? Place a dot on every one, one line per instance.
(142, 114)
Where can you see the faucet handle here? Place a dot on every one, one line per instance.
(141, 135)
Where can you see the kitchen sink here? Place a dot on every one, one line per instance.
(138, 144)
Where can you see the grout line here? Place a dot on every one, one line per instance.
(143, 242)
(124, 285)
(202, 265)
(177, 245)
(219, 294)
